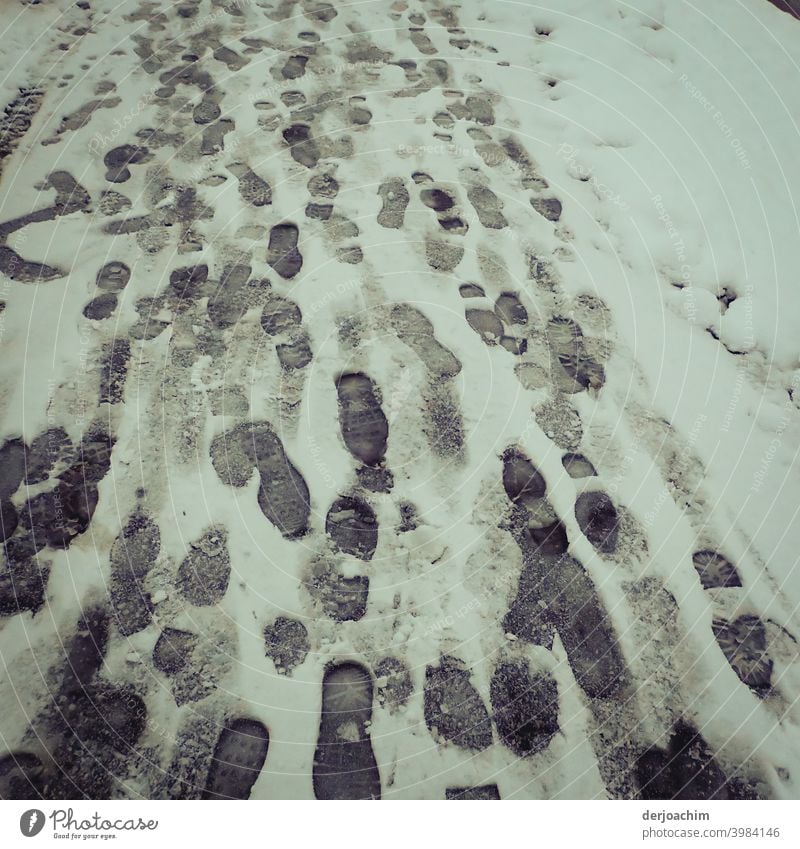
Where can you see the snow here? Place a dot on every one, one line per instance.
(670, 137)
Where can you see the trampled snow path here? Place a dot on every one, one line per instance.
(399, 400)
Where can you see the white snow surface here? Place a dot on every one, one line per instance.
(669, 132)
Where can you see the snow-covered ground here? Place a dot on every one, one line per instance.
(399, 398)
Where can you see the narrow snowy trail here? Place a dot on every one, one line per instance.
(360, 434)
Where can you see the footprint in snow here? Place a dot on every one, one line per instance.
(554, 589)
(281, 321)
(414, 329)
(524, 707)
(472, 794)
(287, 644)
(344, 763)
(454, 711)
(202, 578)
(283, 494)
(132, 556)
(253, 190)
(302, 146)
(685, 770)
(394, 200)
(352, 527)
(443, 204)
(485, 202)
(363, 424)
(282, 252)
